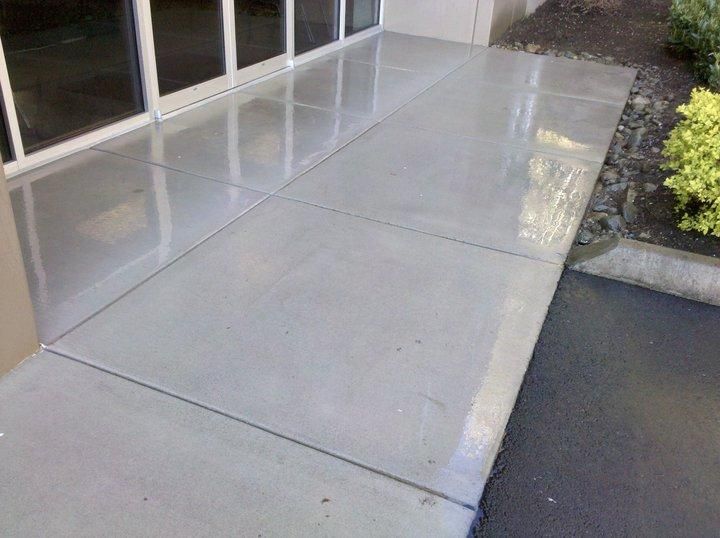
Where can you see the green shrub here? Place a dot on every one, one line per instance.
(695, 32)
(714, 73)
(693, 153)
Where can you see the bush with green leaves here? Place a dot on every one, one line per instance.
(693, 154)
(695, 32)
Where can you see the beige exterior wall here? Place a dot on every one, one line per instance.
(18, 337)
(448, 19)
(476, 21)
(505, 12)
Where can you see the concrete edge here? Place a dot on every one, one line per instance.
(662, 269)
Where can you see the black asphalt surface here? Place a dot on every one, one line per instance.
(616, 430)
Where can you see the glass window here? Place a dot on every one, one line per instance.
(260, 30)
(73, 66)
(316, 23)
(5, 150)
(189, 45)
(361, 14)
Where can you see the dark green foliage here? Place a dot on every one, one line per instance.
(695, 32)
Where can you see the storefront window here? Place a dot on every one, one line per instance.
(316, 23)
(259, 30)
(73, 66)
(361, 14)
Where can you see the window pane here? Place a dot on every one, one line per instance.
(4, 141)
(188, 37)
(260, 30)
(316, 23)
(73, 66)
(361, 14)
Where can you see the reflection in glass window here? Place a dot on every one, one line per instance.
(259, 30)
(316, 23)
(73, 66)
(4, 141)
(189, 47)
(361, 14)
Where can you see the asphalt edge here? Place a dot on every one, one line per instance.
(667, 270)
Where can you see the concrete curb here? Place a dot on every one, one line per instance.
(658, 268)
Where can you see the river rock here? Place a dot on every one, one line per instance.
(639, 102)
(629, 212)
(613, 223)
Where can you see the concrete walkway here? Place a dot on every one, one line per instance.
(305, 308)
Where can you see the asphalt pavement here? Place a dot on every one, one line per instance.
(616, 430)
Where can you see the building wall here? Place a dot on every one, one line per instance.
(467, 21)
(446, 19)
(18, 337)
(505, 12)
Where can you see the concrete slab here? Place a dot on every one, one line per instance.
(539, 121)
(94, 225)
(547, 74)
(244, 140)
(395, 349)
(349, 87)
(85, 453)
(505, 198)
(392, 349)
(410, 52)
(663, 269)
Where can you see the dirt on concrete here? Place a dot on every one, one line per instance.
(634, 33)
(616, 430)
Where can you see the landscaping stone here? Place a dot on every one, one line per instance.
(629, 212)
(585, 237)
(636, 137)
(609, 176)
(605, 208)
(613, 223)
(631, 195)
(640, 102)
(618, 187)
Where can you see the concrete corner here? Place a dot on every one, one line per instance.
(658, 268)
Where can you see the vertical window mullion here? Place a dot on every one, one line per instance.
(8, 103)
(342, 22)
(290, 30)
(229, 34)
(146, 52)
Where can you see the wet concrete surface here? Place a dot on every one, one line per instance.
(616, 430)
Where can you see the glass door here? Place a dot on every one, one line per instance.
(190, 51)
(260, 38)
(360, 15)
(317, 23)
(204, 47)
